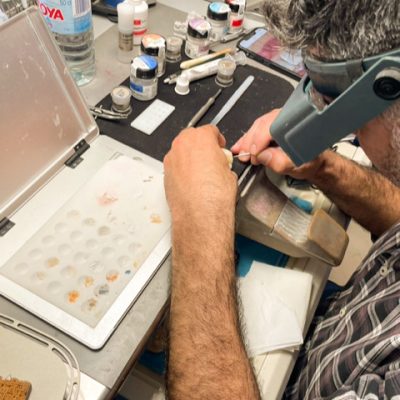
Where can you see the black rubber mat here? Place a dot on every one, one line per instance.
(265, 93)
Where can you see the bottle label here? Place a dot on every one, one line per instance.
(143, 92)
(67, 17)
(236, 23)
(194, 50)
(125, 41)
(139, 26)
(139, 29)
(136, 88)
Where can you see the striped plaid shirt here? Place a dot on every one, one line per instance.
(354, 350)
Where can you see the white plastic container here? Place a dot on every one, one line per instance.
(71, 24)
(140, 21)
(121, 97)
(143, 78)
(174, 49)
(125, 31)
(236, 17)
(197, 39)
(153, 44)
(218, 17)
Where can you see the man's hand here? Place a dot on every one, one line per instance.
(258, 141)
(351, 187)
(198, 181)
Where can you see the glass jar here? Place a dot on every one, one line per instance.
(218, 17)
(143, 78)
(174, 49)
(154, 45)
(197, 39)
(226, 69)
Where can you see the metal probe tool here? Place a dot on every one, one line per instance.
(200, 114)
(232, 36)
(233, 100)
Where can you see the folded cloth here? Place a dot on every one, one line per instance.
(275, 303)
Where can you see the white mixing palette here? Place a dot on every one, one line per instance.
(153, 116)
(86, 265)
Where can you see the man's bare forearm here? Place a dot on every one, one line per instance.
(367, 196)
(207, 358)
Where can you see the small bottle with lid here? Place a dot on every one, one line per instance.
(125, 31)
(154, 45)
(121, 97)
(236, 17)
(218, 17)
(140, 19)
(226, 69)
(197, 38)
(143, 78)
(174, 49)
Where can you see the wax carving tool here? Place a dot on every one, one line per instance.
(230, 157)
(203, 110)
(242, 154)
(233, 100)
(201, 60)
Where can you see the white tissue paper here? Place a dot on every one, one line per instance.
(275, 302)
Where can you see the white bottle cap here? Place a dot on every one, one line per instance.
(182, 85)
(125, 17)
(121, 96)
(240, 58)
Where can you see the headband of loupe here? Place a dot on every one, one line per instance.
(359, 89)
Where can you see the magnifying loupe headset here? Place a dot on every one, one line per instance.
(333, 100)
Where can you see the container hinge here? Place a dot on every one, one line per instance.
(5, 226)
(76, 158)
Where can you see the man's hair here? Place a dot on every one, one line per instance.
(336, 29)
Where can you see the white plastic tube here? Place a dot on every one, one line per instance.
(211, 68)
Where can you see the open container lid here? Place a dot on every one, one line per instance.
(43, 115)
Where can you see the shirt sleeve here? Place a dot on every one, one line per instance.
(370, 387)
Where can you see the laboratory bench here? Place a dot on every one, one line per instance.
(104, 371)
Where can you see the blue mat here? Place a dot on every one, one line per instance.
(155, 362)
(250, 251)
